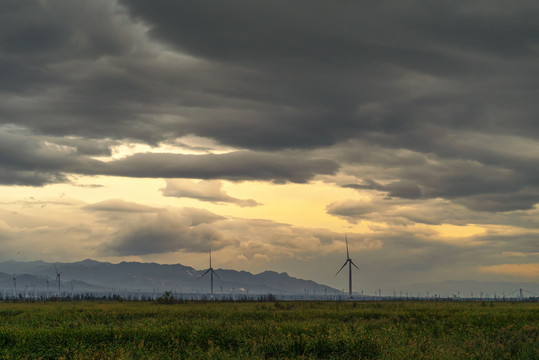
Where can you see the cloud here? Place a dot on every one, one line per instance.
(379, 209)
(118, 205)
(145, 75)
(387, 255)
(160, 236)
(352, 209)
(525, 199)
(204, 190)
(30, 178)
(29, 160)
(414, 76)
(399, 81)
(235, 166)
(402, 188)
(196, 230)
(139, 230)
(482, 180)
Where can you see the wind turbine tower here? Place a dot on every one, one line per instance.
(14, 286)
(348, 262)
(57, 280)
(210, 270)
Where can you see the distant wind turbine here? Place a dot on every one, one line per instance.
(210, 270)
(350, 263)
(14, 286)
(57, 280)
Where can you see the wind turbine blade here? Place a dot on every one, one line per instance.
(347, 252)
(341, 268)
(351, 262)
(207, 271)
(214, 273)
(55, 268)
(210, 258)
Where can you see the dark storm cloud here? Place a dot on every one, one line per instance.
(522, 200)
(28, 160)
(241, 165)
(30, 178)
(415, 75)
(478, 191)
(37, 34)
(497, 172)
(369, 48)
(402, 189)
(86, 147)
(52, 28)
(275, 74)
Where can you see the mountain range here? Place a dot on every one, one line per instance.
(90, 276)
(93, 276)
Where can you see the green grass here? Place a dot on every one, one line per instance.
(306, 330)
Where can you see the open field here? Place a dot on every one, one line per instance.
(338, 330)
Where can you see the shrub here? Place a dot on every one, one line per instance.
(166, 298)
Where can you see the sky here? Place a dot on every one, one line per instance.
(136, 130)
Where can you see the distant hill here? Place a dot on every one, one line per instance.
(93, 275)
(27, 283)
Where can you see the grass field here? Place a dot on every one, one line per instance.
(307, 330)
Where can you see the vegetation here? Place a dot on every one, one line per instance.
(166, 298)
(276, 330)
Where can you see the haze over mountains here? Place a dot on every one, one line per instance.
(90, 275)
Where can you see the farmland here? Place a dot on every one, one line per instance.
(259, 330)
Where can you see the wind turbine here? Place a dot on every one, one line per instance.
(14, 286)
(57, 280)
(350, 263)
(210, 270)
